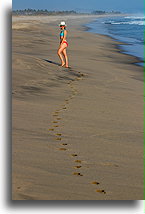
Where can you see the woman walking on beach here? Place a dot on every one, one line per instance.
(63, 45)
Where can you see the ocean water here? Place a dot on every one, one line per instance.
(127, 29)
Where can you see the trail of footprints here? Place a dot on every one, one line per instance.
(58, 136)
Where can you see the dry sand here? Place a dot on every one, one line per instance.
(77, 133)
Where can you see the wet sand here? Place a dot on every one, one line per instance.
(77, 133)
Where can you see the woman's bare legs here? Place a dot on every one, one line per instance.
(59, 52)
(62, 55)
(65, 56)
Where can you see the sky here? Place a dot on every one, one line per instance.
(131, 6)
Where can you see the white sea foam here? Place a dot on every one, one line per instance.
(134, 17)
(133, 22)
(128, 23)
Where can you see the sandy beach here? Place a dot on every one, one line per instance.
(77, 133)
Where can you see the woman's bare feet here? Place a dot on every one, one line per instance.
(66, 66)
(62, 64)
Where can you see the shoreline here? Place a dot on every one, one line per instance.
(78, 133)
(119, 48)
(140, 61)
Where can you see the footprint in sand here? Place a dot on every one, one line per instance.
(74, 155)
(55, 121)
(18, 187)
(74, 93)
(82, 75)
(77, 167)
(78, 78)
(58, 138)
(75, 90)
(57, 112)
(77, 173)
(58, 118)
(78, 161)
(64, 105)
(62, 149)
(64, 144)
(51, 129)
(71, 97)
(64, 108)
(101, 191)
(95, 182)
(58, 134)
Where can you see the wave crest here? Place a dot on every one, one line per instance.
(126, 23)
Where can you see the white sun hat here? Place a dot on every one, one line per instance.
(62, 23)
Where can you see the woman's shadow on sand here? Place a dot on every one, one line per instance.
(56, 63)
(52, 62)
